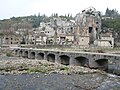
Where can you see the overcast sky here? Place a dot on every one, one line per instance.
(10, 8)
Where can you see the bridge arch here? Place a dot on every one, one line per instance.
(65, 60)
(25, 54)
(32, 55)
(40, 56)
(16, 52)
(20, 53)
(102, 64)
(51, 57)
(82, 61)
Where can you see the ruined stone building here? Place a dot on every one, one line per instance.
(58, 31)
(84, 31)
(88, 32)
(88, 26)
(8, 38)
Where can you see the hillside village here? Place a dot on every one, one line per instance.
(84, 31)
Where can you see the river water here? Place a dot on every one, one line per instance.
(59, 82)
(54, 81)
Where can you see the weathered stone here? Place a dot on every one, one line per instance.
(86, 59)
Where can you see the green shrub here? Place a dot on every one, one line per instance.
(9, 54)
(37, 70)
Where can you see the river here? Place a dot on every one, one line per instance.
(41, 81)
(56, 81)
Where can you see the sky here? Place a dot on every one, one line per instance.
(16, 8)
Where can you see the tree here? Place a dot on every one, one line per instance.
(25, 29)
(112, 13)
(107, 12)
(114, 24)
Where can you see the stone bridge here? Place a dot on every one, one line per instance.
(103, 61)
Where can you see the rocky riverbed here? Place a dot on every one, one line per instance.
(26, 74)
(14, 65)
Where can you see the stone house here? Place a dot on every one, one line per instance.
(106, 40)
(63, 33)
(10, 39)
(88, 31)
(84, 31)
(83, 41)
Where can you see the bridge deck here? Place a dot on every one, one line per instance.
(82, 52)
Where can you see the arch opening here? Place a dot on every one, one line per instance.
(32, 55)
(26, 54)
(65, 60)
(82, 61)
(51, 57)
(20, 53)
(16, 52)
(102, 64)
(40, 56)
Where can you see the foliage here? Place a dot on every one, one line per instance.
(111, 13)
(112, 23)
(42, 70)
(9, 54)
(114, 26)
(33, 20)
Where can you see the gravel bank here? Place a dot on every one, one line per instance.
(22, 65)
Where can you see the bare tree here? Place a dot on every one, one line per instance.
(25, 30)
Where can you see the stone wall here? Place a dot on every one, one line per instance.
(104, 61)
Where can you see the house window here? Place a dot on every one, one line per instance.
(96, 29)
(71, 28)
(96, 22)
(6, 38)
(90, 29)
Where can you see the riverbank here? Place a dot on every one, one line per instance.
(27, 74)
(22, 65)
